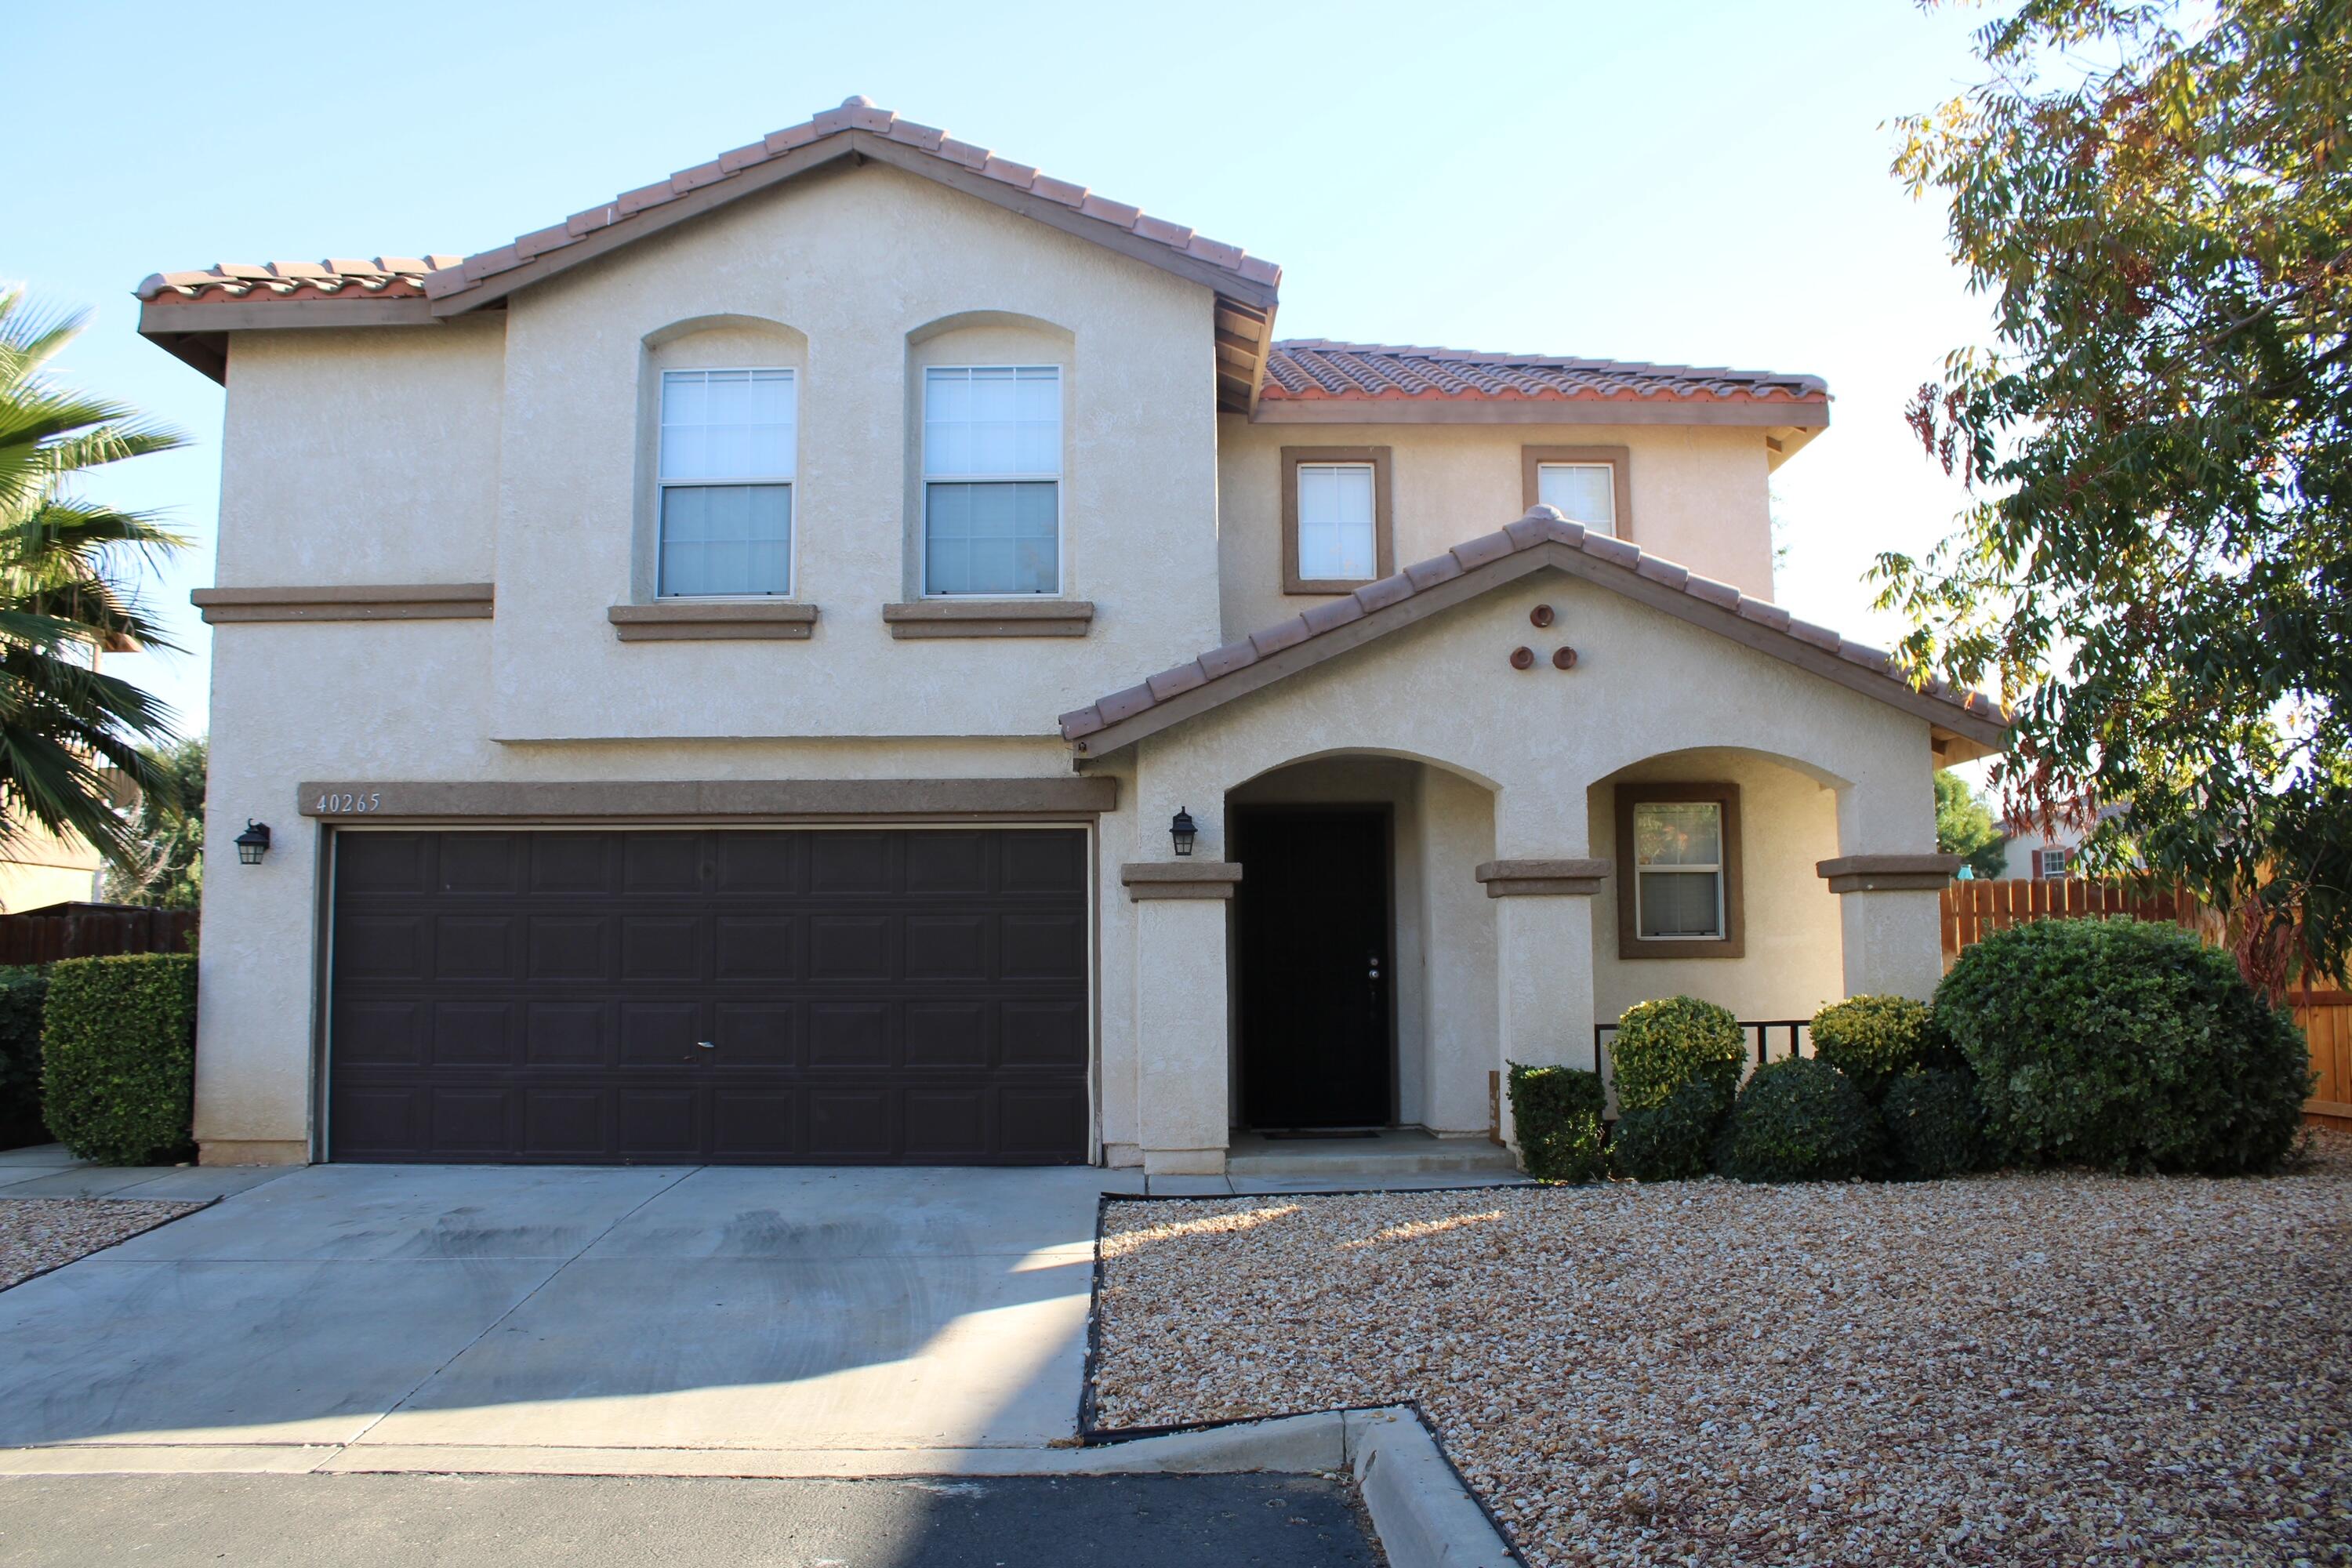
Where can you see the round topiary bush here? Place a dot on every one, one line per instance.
(1799, 1119)
(1873, 1040)
(1934, 1126)
(2124, 1045)
(1662, 1046)
(1671, 1142)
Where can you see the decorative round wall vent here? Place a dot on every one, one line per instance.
(1563, 658)
(1540, 615)
(1523, 658)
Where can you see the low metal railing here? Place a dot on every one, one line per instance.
(1799, 1033)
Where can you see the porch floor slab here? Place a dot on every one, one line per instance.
(1401, 1154)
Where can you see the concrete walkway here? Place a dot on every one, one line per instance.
(704, 1319)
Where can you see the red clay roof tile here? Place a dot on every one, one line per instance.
(855, 114)
(1309, 369)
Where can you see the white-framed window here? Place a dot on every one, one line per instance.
(1338, 527)
(1678, 871)
(991, 480)
(2050, 862)
(1584, 492)
(724, 503)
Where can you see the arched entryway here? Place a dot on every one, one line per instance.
(1363, 953)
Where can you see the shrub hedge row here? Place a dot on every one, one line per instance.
(118, 1056)
(2117, 1044)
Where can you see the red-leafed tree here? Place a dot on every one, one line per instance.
(2155, 566)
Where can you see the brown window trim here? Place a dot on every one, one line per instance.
(1733, 942)
(1383, 521)
(1621, 458)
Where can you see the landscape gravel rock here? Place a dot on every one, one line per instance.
(38, 1235)
(2064, 1368)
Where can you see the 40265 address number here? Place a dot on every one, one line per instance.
(350, 805)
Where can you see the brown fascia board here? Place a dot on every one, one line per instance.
(1479, 580)
(1538, 411)
(197, 332)
(857, 146)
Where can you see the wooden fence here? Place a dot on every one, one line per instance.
(1973, 911)
(2326, 1020)
(93, 931)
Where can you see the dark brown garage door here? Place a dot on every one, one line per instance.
(811, 997)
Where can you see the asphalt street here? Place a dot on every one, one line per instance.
(574, 1522)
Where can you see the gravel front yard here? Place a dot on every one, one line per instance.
(38, 1235)
(2007, 1370)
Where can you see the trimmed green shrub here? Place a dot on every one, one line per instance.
(1671, 1142)
(1873, 1040)
(118, 1056)
(1556, 1111)
(1662, 1046)
(22, 987)
(2124, 1045)
(1934, 1126)
(1798, 1120)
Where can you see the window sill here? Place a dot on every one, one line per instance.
(1324, 587)
(990, 618)
(1638, 947)
(714, 620)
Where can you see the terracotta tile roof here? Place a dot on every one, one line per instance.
(1611, 563)
(337, 277)
(440, 277)
(1308, 369)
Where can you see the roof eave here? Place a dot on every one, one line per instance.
(1956, 732)
(1766, 413)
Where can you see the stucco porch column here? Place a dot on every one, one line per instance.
(1890, 907)
(1543, 963)
(1181, 1011)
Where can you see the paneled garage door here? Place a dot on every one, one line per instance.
(809, 997)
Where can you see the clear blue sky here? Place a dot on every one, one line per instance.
(1700, 183)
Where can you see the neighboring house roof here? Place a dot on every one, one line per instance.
(390, 290)
(1303, 370)
(1540, 539)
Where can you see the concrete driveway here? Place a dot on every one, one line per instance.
(691, 1320)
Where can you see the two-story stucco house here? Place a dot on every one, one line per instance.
(729, 677)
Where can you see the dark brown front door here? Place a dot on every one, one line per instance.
(807, 997)
(1311, 921)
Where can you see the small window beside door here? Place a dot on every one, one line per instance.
(1589, 485)
(991, 480)
(1678, 876)
(724, 473)
(1337, 534)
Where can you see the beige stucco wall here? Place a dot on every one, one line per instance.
(865, 268)
(38, 869)
(352, 456)
(1699, 496)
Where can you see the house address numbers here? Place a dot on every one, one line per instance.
(352, 803)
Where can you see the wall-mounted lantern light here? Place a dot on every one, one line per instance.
(252, 843)
(1183, 830)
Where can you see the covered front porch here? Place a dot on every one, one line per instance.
(1382, 965)
(1457, 819)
